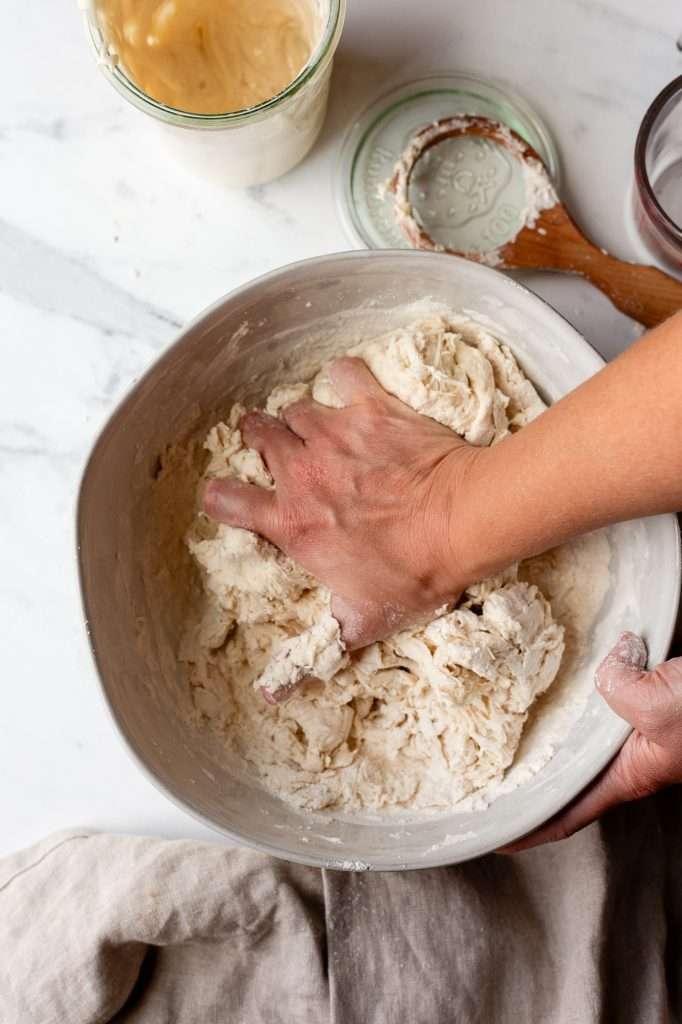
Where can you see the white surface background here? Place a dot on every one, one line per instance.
(106, 248)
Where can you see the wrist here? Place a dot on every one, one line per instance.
(439, 562)
(469, 553)
(503, 510)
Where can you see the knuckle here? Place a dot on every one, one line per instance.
(305, 471)
(375, 408)
(290, 528)
(294, 412)
(660, 705)
(649, 720)
(300, 407)
(666, 687)
(302, 525)
(296, 467)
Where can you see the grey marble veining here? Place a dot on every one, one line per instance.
(66, 287)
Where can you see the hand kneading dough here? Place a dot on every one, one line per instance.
(420, 720)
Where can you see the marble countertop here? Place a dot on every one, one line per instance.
(107, 248)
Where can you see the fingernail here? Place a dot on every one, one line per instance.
(626, 659)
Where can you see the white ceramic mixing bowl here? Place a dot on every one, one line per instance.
(231, 351)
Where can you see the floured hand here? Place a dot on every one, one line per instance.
(651, 757)
(364, 499)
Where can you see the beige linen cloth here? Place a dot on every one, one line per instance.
(97, 928)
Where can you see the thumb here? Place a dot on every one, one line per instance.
(650, 701)
(650, 758)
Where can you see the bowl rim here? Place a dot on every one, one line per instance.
(447, 856)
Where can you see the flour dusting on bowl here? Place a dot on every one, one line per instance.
(431, 715)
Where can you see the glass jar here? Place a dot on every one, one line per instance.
(657, 192)
(245, 147)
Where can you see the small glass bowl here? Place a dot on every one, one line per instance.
(657, 192)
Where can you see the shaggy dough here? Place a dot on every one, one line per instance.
(452, 371)
(418, 721)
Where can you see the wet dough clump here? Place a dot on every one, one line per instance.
(423, 719)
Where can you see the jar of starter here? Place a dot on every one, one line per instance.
(242, 147)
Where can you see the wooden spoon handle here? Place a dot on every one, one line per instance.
(644, 293)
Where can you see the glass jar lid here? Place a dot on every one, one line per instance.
(469, 193)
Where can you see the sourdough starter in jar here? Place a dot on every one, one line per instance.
(239, 87)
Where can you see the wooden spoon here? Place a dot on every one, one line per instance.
(549, 239)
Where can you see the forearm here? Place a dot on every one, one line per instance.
(609, 451)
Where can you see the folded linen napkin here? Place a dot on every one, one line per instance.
(97, 928)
